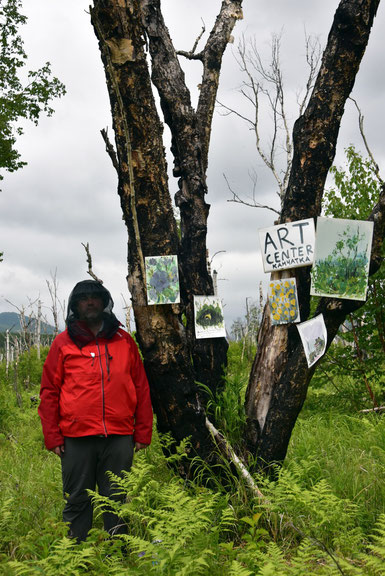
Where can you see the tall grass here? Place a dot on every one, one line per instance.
(324, 514)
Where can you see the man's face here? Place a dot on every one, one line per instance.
(90, 308)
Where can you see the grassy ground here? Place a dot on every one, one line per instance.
(325, 514)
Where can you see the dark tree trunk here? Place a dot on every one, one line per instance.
(174, 360)
(280, 376)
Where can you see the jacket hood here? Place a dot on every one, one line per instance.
(88, 287)
(79, 331)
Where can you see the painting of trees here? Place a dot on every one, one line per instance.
(138, 58)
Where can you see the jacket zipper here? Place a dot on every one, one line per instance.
(102, 383)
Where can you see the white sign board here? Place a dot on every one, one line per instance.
(288, 245)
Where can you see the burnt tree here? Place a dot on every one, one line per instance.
(280, 376)
(174, 360)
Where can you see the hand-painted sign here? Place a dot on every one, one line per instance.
(288, 245)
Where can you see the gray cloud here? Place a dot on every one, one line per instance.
(67, 193)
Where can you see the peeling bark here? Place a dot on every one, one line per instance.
(174, 361)
(279, 379)
(190, 132)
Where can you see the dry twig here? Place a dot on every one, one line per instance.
(89, 262)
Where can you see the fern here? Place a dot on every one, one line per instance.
(173, 526)
(375, 561)
(236, 569)
(274, 562)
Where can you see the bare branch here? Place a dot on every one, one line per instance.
(89, 262)
(237, 199)
(128, 308)
(215, 254)
(229, 454)
(361, 125)
(53, 292)
(313, 58)
(110, 149)
(265, 82)
(191, 55)
(375, 409)
(233, 111)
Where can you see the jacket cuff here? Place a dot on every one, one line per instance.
(51, 443)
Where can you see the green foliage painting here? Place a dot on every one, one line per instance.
(342, 258)
(162, 280)
(209, 320)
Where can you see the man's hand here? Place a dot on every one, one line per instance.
(58, 450)
(140, 446)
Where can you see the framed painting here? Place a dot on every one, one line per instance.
(342, 257)
(283, 301)
(209, 318)
(162, 280)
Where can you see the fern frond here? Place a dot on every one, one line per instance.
(237, 569)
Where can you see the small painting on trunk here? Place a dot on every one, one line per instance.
(314, 337)
(342, 257)
(209, 319)
(283, 301)
(162, 280)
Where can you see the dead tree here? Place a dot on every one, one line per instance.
(265, 84)
(280, 376)
(53, 288)
(174, 360)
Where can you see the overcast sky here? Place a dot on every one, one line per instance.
(66, 195)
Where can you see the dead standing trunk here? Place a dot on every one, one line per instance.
(174, 361)
(280, 375)
(171, 357)
(190, 132)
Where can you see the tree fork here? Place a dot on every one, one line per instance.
(280, 376)
(166, 344)
(147, 212)
(191, 131)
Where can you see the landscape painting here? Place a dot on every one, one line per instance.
(314, 337)
(209, 319)
(342, 256)
(283, 301)
(162, 280)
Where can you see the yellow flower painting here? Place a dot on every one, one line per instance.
(283, 301)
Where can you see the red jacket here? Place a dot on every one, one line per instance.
(99, 389)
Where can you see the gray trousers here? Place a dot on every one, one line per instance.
(84, 465)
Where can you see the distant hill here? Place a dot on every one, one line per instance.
(11, 320)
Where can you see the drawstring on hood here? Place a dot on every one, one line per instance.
(78, 331)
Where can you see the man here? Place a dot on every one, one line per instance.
(95, 404)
